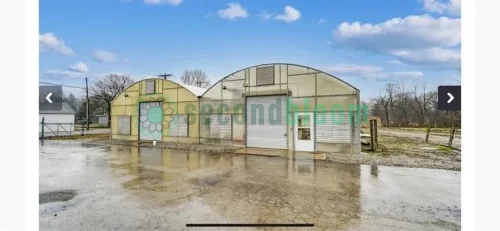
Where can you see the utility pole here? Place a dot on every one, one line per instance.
(87, 90)
(165, 75)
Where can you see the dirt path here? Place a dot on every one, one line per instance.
(437, 139)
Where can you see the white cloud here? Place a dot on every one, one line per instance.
(78, 67)
(64, 73)
(413, 39)
(265, 16)
(49, 42)
(233, 11)
(449, 58)
(372, 72)
(451, 7)
(291, 15)
(399, 33)
(406, 74)
(321, 21)
(102, 74)
(104, 56)
(158, 2)
(354, 69)
(396, 62)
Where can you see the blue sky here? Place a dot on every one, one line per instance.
(366, 43)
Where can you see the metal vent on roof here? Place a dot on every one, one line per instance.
(265, 75)
(150, 87)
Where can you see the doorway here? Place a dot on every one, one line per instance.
(304, 131)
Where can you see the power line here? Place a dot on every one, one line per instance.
(62, 85)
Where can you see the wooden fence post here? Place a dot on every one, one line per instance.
(372, 141)
(375, 133)
(43, 127)
(452, 134)
(427, 134)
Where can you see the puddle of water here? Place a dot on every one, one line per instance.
(256, 189)
(53, 196)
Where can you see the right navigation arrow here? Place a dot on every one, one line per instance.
(451, 97)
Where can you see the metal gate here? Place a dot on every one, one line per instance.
(150, 121)
(266, 122)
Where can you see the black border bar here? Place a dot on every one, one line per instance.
(249, 225)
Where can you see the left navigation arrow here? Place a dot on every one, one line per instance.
(48, 97)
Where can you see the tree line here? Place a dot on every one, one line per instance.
(402, 105)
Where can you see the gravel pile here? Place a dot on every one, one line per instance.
(171, 145)
(451, 163)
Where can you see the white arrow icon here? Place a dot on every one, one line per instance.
(50, 94)
(451, 97)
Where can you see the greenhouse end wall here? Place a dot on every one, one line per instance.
(176, 102)
(223, 106)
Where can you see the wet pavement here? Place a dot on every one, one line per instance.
(140, 188)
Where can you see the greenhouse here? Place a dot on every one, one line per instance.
(156, 109)
(282, 106)
(277, 106)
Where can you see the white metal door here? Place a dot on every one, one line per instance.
(150, 121)
(266, 122)
(304, 131)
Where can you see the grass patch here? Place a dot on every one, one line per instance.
(445, 148)
(434, 131)
(389, 146)
(98, 126)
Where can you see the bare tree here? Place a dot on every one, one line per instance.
(402, 105)
(420, 103)
(196, 78)
(72, 101)
(96, 107)
(106, 89)
(399, 105)
(387, 102)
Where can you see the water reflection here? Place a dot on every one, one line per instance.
(260, 189)
(374, 170)
(267, 189)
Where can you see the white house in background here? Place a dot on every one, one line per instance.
(57, 122)
(102, 119)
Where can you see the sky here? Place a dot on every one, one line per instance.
(366, 43)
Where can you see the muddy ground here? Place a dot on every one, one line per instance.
(404, 152)
(141, 188)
